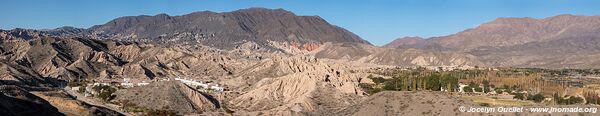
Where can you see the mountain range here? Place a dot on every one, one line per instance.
(563, 41)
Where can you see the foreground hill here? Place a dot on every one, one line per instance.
(408, 103)
(434, 103)
(167, 95)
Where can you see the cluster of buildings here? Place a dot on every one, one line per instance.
(461, 89)
(200, 85)
(457, 67)
(127, 83)
(88, 90)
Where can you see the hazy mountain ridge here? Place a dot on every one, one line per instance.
(405, 41)
(554, 42)
(504, 32)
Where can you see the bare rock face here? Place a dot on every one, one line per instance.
(311, 46)
(168, 95)
(13, 74)
(76, 58)
(300, 89)
(288, 89)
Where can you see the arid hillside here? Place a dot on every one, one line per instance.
(554, 42)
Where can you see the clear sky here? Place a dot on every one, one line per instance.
(378, 21)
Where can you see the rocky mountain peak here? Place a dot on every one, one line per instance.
(226, 29)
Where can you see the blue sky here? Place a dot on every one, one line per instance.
(378, 21)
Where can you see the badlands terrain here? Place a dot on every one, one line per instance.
(267, 61)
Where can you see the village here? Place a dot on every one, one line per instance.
(102, 87)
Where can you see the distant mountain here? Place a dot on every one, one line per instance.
(563, 41)
(405, 41)
(20, 34)
(504, 32)
(226, 29)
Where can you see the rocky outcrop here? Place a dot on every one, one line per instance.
(300, 89)
(75, 58)
(272, 93)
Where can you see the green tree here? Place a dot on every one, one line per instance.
(498, 91)
(557, 98)
(369, 88)
(104, 92)
(389, 86)
(538, 98)
(405, 84)
(505, 87)
(467, 89)
(478, 89)
(473, 85)
(520, 96)
(433, 82)
(414, 84)
(377, 80)
(486, 86)
(450, 82)
(574, 100)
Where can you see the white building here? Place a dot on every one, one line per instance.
(461, 87)
(98, 84)
(194, 83)
(75, 88)
(127, 85)
(142, 83)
